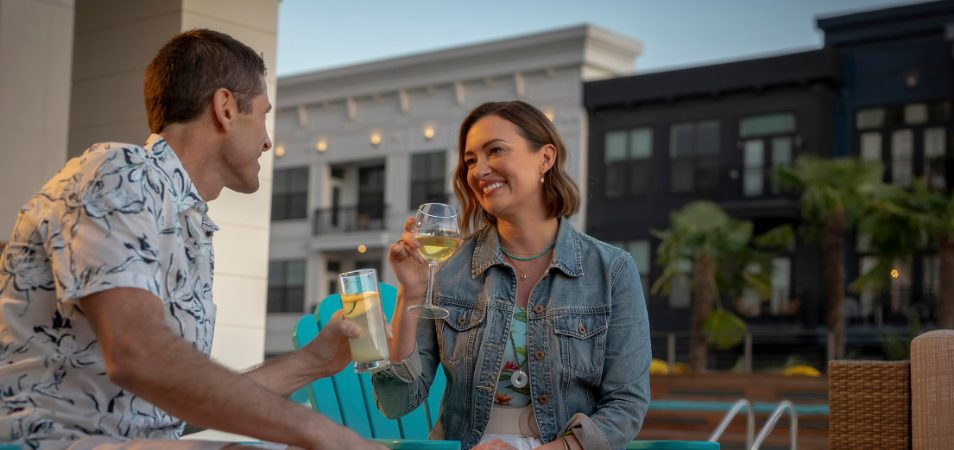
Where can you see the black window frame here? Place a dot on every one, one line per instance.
(428, 185)
(286, 295)
(633, 176)
(703, 166)
(289, 195)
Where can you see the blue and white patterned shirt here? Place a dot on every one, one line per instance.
(119, 215)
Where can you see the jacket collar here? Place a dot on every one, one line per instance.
(567, 254)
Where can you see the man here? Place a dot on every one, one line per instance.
(106, 312)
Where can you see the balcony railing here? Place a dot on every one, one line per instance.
(350, 218)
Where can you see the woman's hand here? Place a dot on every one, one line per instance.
(406, 262)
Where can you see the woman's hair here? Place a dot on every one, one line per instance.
(560, 195)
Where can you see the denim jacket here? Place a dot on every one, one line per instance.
(587, 344)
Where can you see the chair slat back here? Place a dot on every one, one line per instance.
(347, 397)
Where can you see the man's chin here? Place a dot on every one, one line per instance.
(249, 188)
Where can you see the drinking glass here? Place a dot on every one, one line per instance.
(361, 304)
(436, 228)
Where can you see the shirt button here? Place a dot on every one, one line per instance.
(538, 355)
(543, 399)
(538, 309)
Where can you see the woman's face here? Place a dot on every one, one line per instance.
(503, 170)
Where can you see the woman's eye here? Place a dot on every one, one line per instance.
(470, 162)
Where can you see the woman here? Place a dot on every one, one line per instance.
(547, 340)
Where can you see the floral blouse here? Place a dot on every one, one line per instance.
(515, 360)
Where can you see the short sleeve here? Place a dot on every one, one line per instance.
(107, 233)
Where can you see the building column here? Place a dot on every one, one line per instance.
(36, 45)
(114, 42)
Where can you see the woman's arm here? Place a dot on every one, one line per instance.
(400, 388)
(413, 350)
(624, 389)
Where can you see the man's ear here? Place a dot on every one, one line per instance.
(224, 108)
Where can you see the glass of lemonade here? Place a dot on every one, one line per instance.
(361, 304)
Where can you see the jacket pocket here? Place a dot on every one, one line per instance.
(582, 341)
(460, 330)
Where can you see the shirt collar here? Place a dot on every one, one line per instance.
(567, 253)
(185, 194)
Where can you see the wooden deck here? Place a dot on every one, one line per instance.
(666, 421)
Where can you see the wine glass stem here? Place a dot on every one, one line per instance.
(431, 273)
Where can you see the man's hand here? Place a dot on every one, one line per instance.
(329, 352)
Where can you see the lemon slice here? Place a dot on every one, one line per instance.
(356, 305)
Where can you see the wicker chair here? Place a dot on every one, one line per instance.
(888, 405)
(869, 404)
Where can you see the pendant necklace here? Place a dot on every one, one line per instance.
(518, 378)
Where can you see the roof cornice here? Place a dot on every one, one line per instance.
(567, 47)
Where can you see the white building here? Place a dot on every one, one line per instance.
(358, 148)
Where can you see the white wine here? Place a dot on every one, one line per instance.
(437, 248)
(364, 310)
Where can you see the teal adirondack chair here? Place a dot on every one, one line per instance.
(346, 397)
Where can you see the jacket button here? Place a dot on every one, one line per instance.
(461, 320)
(582, 329)
(544, 399)
(538, 355)
(538, 309)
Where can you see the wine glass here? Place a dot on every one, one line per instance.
(436, 228)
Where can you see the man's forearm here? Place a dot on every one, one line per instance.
(285, 374)
(180, 380)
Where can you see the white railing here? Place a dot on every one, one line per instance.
(773, 419)
(750, 422)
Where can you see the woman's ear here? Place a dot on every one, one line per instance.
(549, 157)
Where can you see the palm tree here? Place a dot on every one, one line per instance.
(702, 238)
(833, 195)
(900, 223)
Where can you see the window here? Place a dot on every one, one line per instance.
(694, 156)
(871, 146)
(628, 157)
(767, 144)
(370, 194)
(641, 250)
(781, 286)
(286, 286)
(680, 288)
(428, 171)
(910, 139)
(290, 194)
(902, 153)
(934, 158)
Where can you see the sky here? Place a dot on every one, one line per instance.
(321, 34)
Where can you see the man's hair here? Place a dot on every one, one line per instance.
(185, 73)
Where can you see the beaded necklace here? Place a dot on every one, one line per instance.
(528, 258)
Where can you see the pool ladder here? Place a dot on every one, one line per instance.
(750, 424)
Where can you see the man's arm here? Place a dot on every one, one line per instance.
(144, 357)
